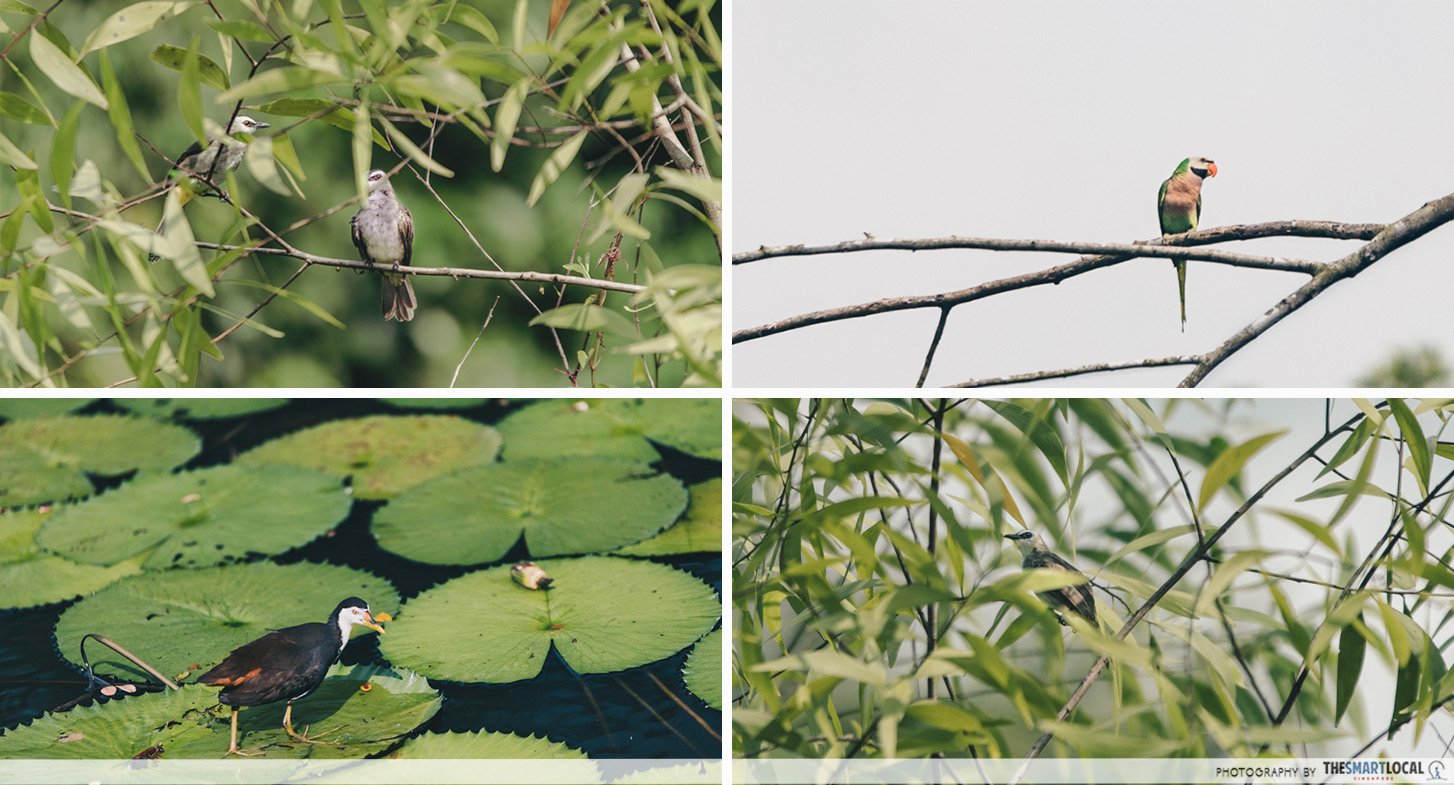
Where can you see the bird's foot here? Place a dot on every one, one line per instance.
(306, 739)
(244, 753)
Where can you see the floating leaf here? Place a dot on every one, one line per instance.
(190, 723)
(33, 577)
(615, 427)
(703, 671)
(699, 531)
(18, 408)
(199, 408)
(45, 459)
(179, 618)
(602, 614)
(385, 454)
(484, 744)
(201, 518)
(434, 403)
(563, 506)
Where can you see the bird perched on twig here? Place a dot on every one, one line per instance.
(1036, 555)
(222, 155)
(383, 232)
(1179, 206)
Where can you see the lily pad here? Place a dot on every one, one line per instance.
(46, 459)
(199, 408)
(190, 723)
(699, 531)
(200, 518)
(33, 577)
(602, 614)
(384, 454)
(434, 403)
(703, 671)
(563, 506)
(19, 408)
(181, 618)
(484, 744)
(616, 427)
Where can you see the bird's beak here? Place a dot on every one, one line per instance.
(1009, 536)
(368, 621)
(262, 124)
(1211, 168)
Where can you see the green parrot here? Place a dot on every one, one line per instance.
(1179, 205)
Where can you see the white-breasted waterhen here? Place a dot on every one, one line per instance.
(286, 664)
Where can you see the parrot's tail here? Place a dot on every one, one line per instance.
(399, 300)
(1181, 289)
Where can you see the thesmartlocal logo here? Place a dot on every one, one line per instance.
(1406, 770)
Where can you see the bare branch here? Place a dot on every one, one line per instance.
(1021, 378)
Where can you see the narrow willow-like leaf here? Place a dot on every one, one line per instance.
(132, 21)
(66, 75)
(1351, 648)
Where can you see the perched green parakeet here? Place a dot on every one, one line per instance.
(1179, 205)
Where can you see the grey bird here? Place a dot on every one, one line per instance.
(222, 155)
(1036, 555)
(383, 231)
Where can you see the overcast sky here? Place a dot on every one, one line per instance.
(1059, 120)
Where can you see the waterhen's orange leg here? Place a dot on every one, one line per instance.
(304, 737)
(232, 746)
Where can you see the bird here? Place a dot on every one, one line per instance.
(286, 664)
(1179, 206)
(1036, 555)
(383, 232)
(222, 155)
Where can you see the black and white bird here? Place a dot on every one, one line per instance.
(1036, 555)
(286, 664)
(383, 232)
(220, 156)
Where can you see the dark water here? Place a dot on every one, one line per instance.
(644, 712)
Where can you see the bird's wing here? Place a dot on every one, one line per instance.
(1079, 596)
(358, 240)
(1196, 217)
(1161, 205)
(406, 234)
(242, 663)
(189, 153)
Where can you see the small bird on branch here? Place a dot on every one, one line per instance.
(1179, 206)
(222, 155)
(1036, 555)
(383, 231)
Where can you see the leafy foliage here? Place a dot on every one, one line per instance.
(34, 577)
(600, 131)
(1247, 601)
(47, 458)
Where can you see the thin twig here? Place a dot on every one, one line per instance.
(466, 356)
(1020, 378)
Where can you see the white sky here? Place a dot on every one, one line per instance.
(1059, 120)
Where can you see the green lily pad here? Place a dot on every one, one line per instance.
(190, 723)
(200, 518)
(616, 427)
(20, 408)
(563, 506)
(484, 744)
(199, 408)
(699, 531)
(384, 454)
(33, 577)
(46, 459)
(602, 614)
(180, 618)
(434, 403)
(703, 671)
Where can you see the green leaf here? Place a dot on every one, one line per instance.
(601, 614)
(699, 530)
(412, 150)
(279, 80)
(617, 427)
(1351, 648)
(21, 408)
(483, 745)
(506, 117)
(363, 132)
(703, 670)
(62, 151)
(1418, 444)
(46, 459)
(241, 29)
(132, 21)
(33, 577)
(180, 245)
(198, 408)
(475, 20)
(264, 167)
(560, 159)
(616, 211)
(190, 723)
(189, 93)
(201, 518)
(1228, 465)
(708, 189)
(121, 117)
(175, 58)
(384, 454)
(10, 155)
(588, 318)
(66, 75)
(561, 506)
(17, 108)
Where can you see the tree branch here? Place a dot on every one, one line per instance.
(1036, 376)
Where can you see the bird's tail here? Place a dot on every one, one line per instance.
(399, 300)
(1181, 289)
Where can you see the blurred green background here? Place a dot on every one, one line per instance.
(367, 351)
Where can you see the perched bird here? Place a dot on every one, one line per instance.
(286, 664)
(222, 155)
(1179, 205)
(383, 231)
(1037, 556)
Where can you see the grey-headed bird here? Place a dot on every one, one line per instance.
(222, 155)
(383, 231)
(1038, 556)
